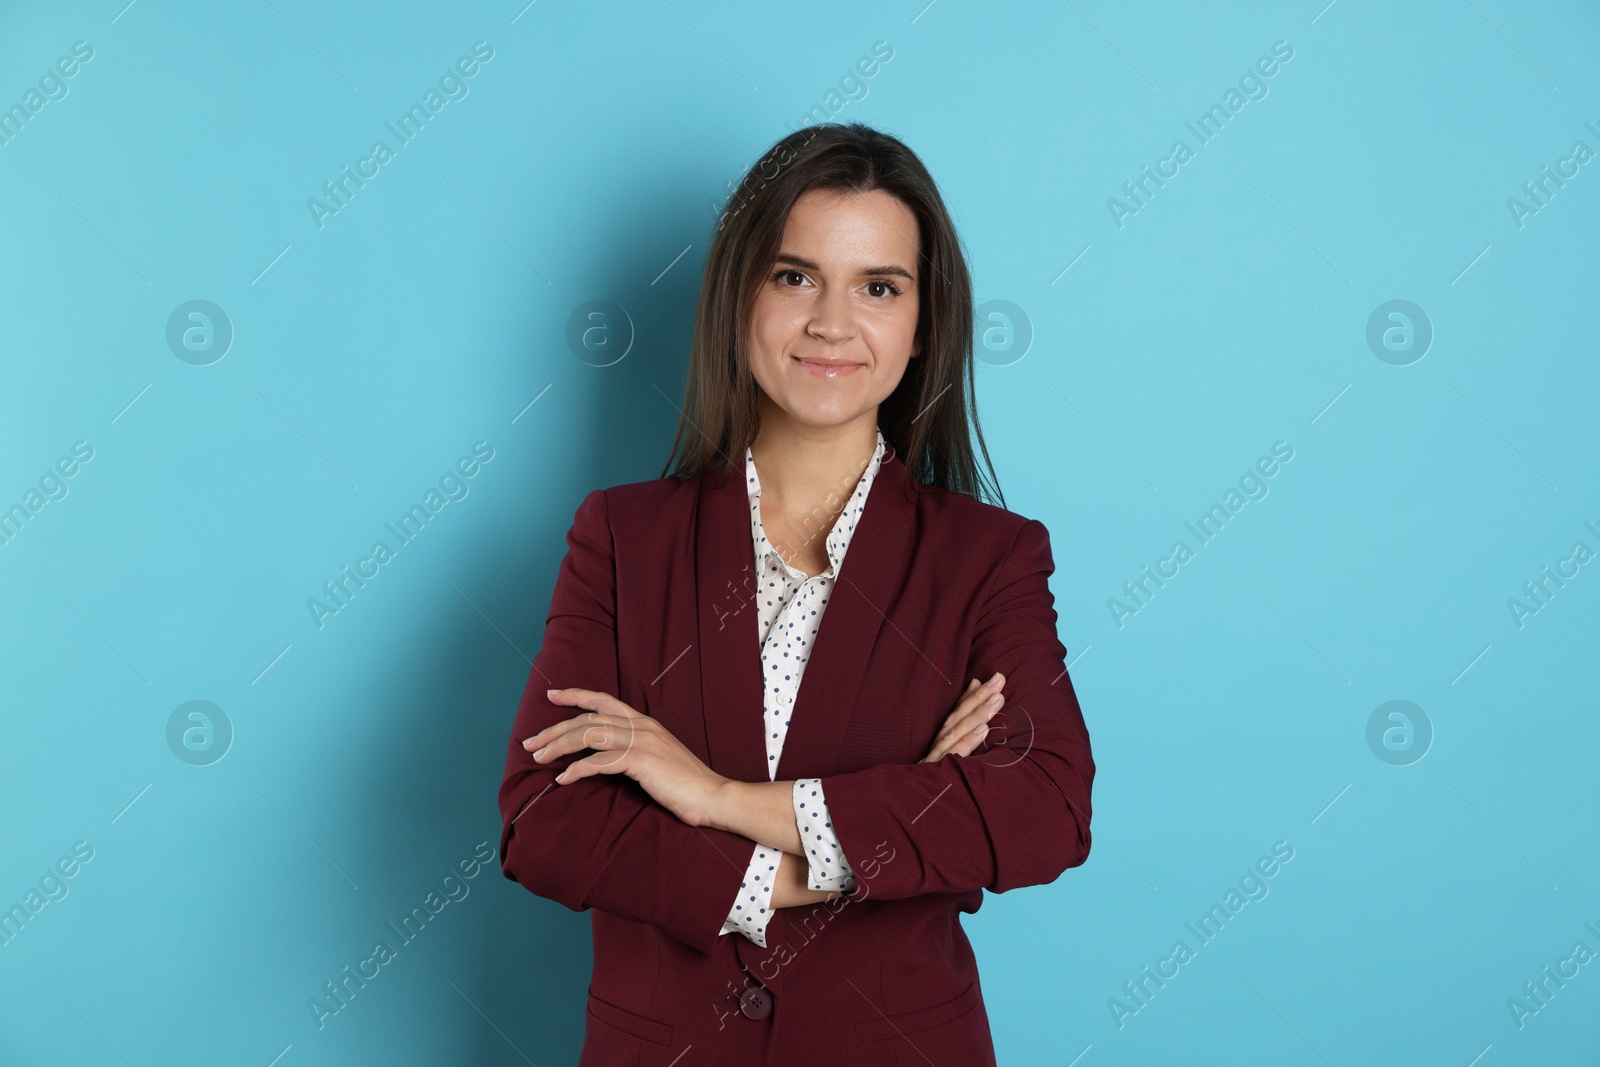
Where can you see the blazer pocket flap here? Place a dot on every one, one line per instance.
(923, 1019)
(628, 1022)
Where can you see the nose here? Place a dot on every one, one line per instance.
(832, 317)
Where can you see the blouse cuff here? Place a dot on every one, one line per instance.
(752, 909)
(829, 871)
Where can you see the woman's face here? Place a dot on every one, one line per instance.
(835, 321)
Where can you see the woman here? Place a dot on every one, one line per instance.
(777, 873)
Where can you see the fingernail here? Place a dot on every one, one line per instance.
(562, 777)
(980, 729)
(541, 752)
(992, 702)
(552, 692)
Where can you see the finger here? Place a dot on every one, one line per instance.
(956, 729)
(968, 743)
(962, 705)
(556, 742)
(963, 745)
(977, 694)
(972, 698)
(607, 763)
(948, 740)
(554, 730)
(592, 730)
(973, 709)
(615, 710)
(973, 687)
(592, 699)
(606, 741)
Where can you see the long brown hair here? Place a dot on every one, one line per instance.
(931, 417)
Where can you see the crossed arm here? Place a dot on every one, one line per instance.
(655, 840)
(765, 811)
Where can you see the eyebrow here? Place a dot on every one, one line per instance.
(799, 261)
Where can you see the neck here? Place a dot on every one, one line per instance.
(809, 467)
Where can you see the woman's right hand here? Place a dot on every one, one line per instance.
(965, 727)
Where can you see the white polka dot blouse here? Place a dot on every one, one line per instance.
(790, 612)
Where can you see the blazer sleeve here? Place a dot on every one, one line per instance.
(603, 842)
(1016, 811)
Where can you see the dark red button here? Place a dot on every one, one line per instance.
(756, 1003)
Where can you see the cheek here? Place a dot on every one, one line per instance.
(772, 325)
(894, 335)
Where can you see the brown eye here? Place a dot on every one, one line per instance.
(894, 289)
(782, 274)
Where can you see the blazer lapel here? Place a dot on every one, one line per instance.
(730, 653)
(863, 590)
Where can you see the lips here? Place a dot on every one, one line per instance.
(827, 368)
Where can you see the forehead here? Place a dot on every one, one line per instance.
(847, 230)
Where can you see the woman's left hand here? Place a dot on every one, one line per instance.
(627, 742)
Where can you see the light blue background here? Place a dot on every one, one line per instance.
(370, 354)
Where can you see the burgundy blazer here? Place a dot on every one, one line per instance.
(654, 603)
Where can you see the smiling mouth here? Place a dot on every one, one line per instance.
(824, 368)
